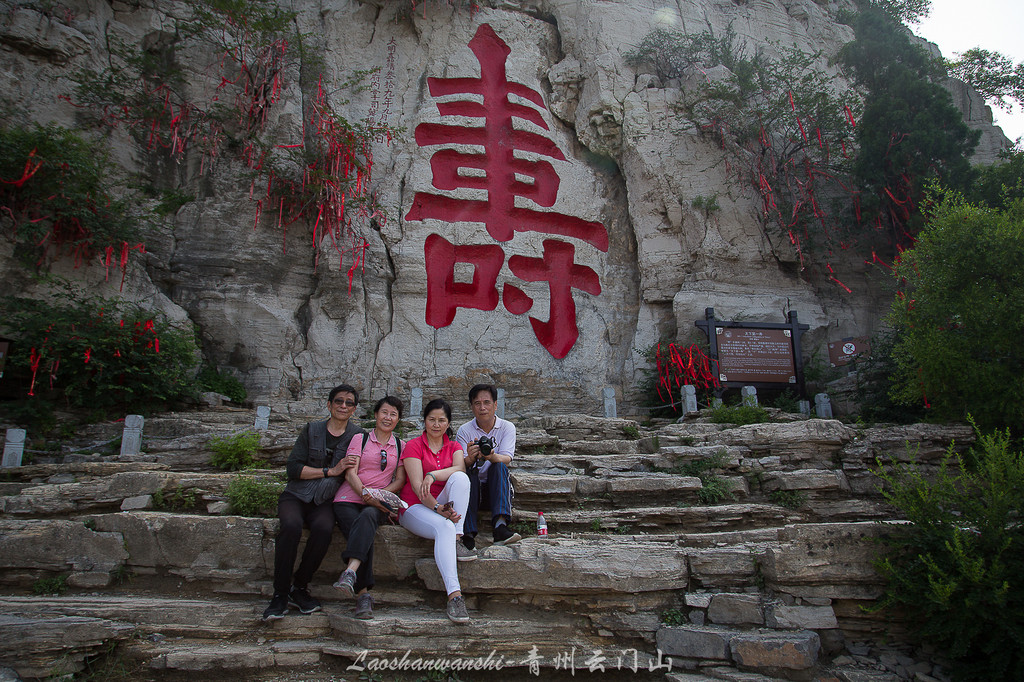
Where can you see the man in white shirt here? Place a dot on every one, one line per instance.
(488, 472)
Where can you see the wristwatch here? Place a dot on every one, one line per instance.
(325, 472)
(436, 505)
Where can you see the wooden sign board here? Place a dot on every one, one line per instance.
(755, 355)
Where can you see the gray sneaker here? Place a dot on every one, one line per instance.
(347, 583)
(457, 610)
(364, 606)
(463, 553)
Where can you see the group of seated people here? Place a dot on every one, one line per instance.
(336, 475)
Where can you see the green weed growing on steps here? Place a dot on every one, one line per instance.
(178, 499)
(56, 585)
(790, 499)
(739, 415)
(957, 569)
(631, 432)
(235, 452)
(714, 488)
(254, 496)
(673, 617)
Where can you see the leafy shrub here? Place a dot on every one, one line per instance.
(739, 415)
(179, 499)
(713, 487)
(790, 499)
(209, 379)
(673, 617)
(631, 432)
(235, 452)
(55, 585)
(957, 570)
(99, 353)
(253, 496)
(961, 315)
(713, 490)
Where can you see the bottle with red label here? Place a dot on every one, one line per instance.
(542, 525)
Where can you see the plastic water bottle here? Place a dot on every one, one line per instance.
(542, 525)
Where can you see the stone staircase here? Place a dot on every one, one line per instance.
(741, 552)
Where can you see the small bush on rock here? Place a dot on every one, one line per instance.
(235, 452)
(252, 496)
(957, 570)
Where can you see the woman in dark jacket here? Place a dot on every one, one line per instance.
(318, 454)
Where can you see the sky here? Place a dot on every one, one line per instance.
(996, 25)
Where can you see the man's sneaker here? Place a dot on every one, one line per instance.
(463, 553)
(278, 607)
(457, 610)
(503, 535)
(364, 606)
(300, 598)
(347, 582)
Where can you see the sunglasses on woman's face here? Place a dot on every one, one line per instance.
(383, 459)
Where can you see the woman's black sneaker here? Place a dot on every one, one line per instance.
(301, 599)
(278, 607)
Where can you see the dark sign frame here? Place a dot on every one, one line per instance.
(709, 325)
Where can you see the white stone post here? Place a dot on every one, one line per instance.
(749, 394)
(416, 405)
(823, 406)
(805, 407)
(689, 399)
(262, 418)
(609, 403)
(500, 411)
(131, 438)
(14, 448)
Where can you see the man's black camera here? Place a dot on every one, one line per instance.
(486, 445)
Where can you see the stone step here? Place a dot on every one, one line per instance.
(697, 518)
(206, 635)
(757, 650)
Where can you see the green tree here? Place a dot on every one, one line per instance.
(1001, 183)
(993, 75)
(62, 195)
(960, 315)
(910, 132)
(904, 11)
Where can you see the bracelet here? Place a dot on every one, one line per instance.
(431, 474)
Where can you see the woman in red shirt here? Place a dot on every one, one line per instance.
(437, 491)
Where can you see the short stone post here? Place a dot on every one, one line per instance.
(689, 397)
(749, 394)
(716, 403)
(416, 404)
(14, 448)
(823, 406)
(262, 418)
(500, 411)
(131, 438)
(805, 407)
(609, 403)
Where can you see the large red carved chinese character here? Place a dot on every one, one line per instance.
(500, 141)
(557, 268)
(444, 295)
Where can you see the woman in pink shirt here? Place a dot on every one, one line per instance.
(437, 491)
(357, 513)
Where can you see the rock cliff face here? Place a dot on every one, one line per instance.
(540, 254)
